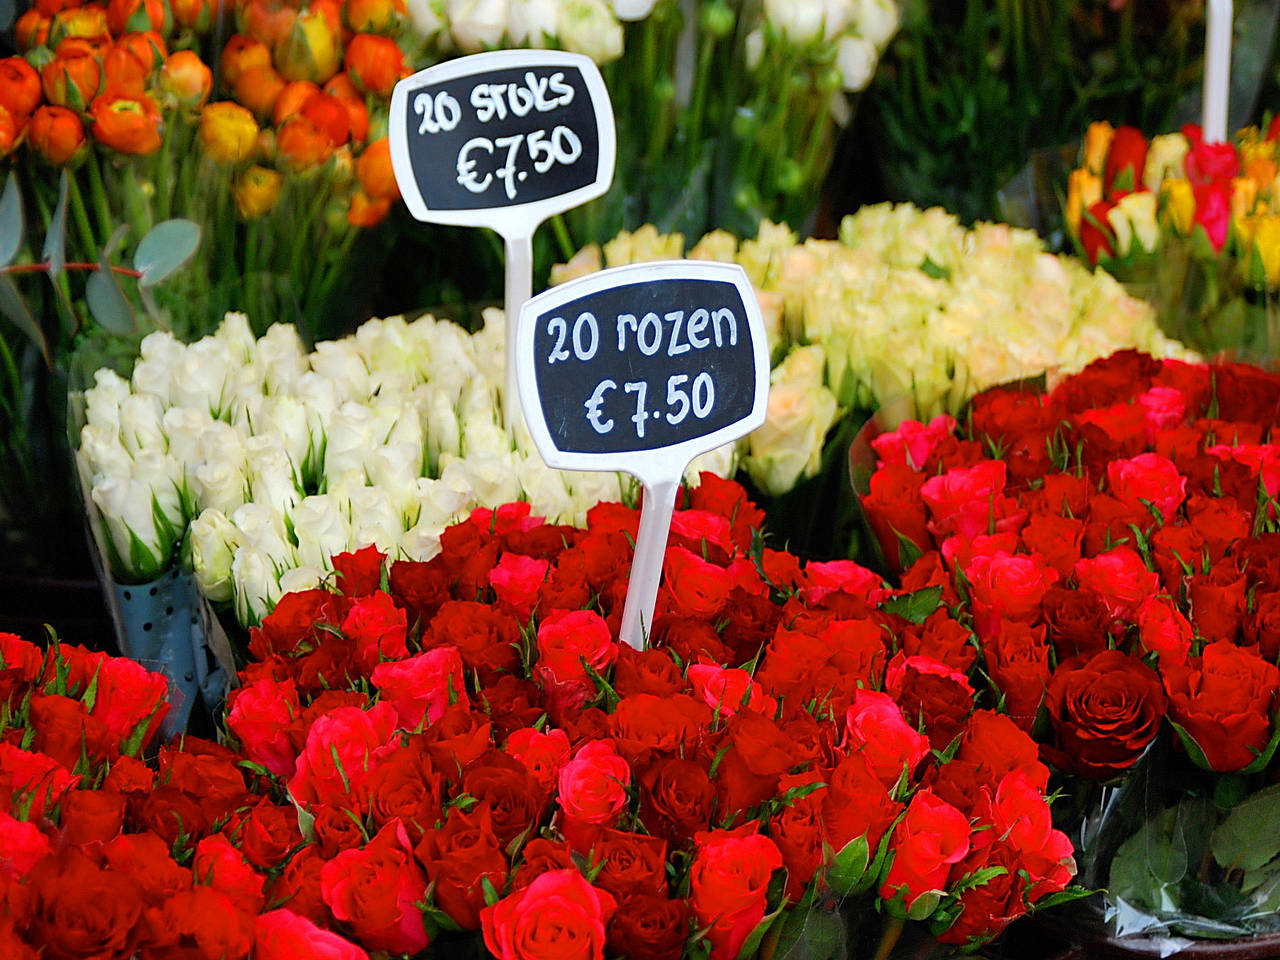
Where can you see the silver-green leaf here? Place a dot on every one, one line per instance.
(165, 248)
(10, 221)
(106, 300)
(15, 308)
(55, 241)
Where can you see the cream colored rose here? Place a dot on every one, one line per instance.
(235, 332)
(214, 540)
(587, 260)
(531, 22)
(255, 584)
(589, 28)
(102, 400)
(477, 25)
(321, 526)
(801, 410)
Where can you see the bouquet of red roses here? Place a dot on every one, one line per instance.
(432, 753)
(1112, 549)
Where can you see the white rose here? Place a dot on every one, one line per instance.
(235, 332)
(477, 24)
(140, 423)
(421, 542)
(184, 428)
(320, 524)
(153, 378)
(101, 454)
(800, 21)
(590, 488)
(836, 16)
(444, 435)
(202, 378)
(301, 578)
(375, 519)
(396, 468)
(221, 483)
(140, 547)
(256, 584)
(279, 360)
(531, 22)
(587, 27)
(385, 345)
(214, 541)
(446, 500)
(544, 488)
(272, 475)
(754, 47)
(632, 9)
(262, 527)
(340, 363)
(102, 400)
(492, 476)
(721, 461)
(856, 60)
(481, 437)
(877, 20)
(428, 17)
(490, 345)
(352, 433)
(163, 476)
(447, 354)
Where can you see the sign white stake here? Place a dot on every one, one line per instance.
(1217, 71)
(503, 140)
(640, 369)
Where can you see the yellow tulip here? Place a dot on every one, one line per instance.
(1084, 189)
(1267, 237)
(1181, 203)
(257, 190)
(1097, 141)
(228, 132)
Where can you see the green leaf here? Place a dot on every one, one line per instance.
(1154, 858)
(55, 241)
(10, 221)
(915, 607)
(165, 248)
(15, 308)
(1247, 839)
(107, 302)
(306, 821)
(849, 866)
(777, 886)
(1193, 749)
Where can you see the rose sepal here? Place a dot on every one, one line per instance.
(774, 894)
(847, 880)
(1198, 757)
(784, 936)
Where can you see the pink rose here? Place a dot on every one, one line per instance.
(260, 717)
(875, 728)
(420, 688)
(283, 935)
(516, 580)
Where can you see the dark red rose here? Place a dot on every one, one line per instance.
(649, 927)
(143, 860)
(1078, 621)
(1105, 711)
(567, 587)
(1056, 539)
(470, 553)
(643, 725)
(646, 671)
(1224, 699)
(1111, 522)
(1262, 626)
(420, 588)
(220, 865)
(952, 453)
(375, 892)
(206, 771)
(987, 910)
(79, 910)
(797, 830)
(336, 829)
(1062, 495)
(514, 797)
(63, 729)
(404, 785)
(1219, 522)
(200, 922)
(933, 692)
(359, 572)
(676, 799)
(759, 753)
(1247, 393)
(856, 804)
(170, 813)
(1260, 558)
(540, 856)
(1218, 601)
(1109, 380)
(297, 888)
(546, 541)
(511, 703)
(791, 660)
(1175, 550)
(690, 639)
(458, 857)
(461, 736)
(605, 556)
(630, 863)
(91, 816)
(997, 747)
(1018, 662)
(379, 629)
(1125, 159)
(1110, 433)
(267, 833)
(293, 622)
(753, 623)
(944, 639)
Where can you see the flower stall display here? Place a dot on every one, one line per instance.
(1191, 225)
(424, 757)
(1112, 549)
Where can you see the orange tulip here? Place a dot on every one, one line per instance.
(193, 14)
(257, 190)
(266, 20)
(372, 16)
(56, 134)
(19, 86)
(373, 169)
(137, 16)
(186, 78)
(312, 49)
(148, 47)
(124, 73)
(73, 77)
(329, 116)
(291, 99)
(31, 30)
(240, 54)
(257, 88)
(228, 132)
(352, 100)
(86, 23)
(126, 124)
(375, 63)
(300, 145)
(365, 211)
(48, 8)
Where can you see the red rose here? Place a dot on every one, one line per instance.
(259, 716)
(876, 729)
(1109, 433)
(78, 910)
(927, 841)
(284, 935)
(791, 661)
(470, 552)
(856, 649)
(345, 738)
(726, 691)
(200, 922)
(1262, 627)
(676, 799)
(460, 737)
(359, 572)
(940, 696)
(130, 696)
(1220, 523)
(293, 622)
(404, 786)
(91, 816)
(965, 500)
(1006, 586)
(1163, 408)
(822, 579)
(856, 804)
(649, 927)
(1218, 601)
(267, 834)
(1078, 621)
(1055, 539)
(336, 830)
(698, 587)
(913, 442)
(593, 788)
(543, 754)
(512, 703)
(558, 915)
(1121, 578)
(759, 753)
(63, 728)
(1148, 479)
(644, 724)
(458, 858)
(32, 775)
(896, 510)
(513, 796)
(421, 688)
(1164, 631)
(487, 638)
(220, 865)
(375, 892)
(1104, 711)
(728, 499)
(728, 883)
(517, 580)
(143, 860)
(1018, 661)
(420, 588)
(1020, 814)
(797, 830)
(1209, 161)
(997, 746)
(1114, 379)
(22, 846)
(646, 671)
(298, 888)
(565, 639)
(1224, 700)
(630, 863)
(1126, 156)
(1174, 550)
(379, 629)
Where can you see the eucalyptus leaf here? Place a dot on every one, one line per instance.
(108, 305)
(55, 240)
(1247, 839)
(15, 308)
(165, 248)
(10, 221)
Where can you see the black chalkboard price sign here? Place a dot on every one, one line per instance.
(502, 139)
(640, 369)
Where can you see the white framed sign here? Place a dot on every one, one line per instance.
(640, 369)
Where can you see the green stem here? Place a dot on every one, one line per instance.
(98, 192)
(889, 935)
(698, 101)
(561, 229)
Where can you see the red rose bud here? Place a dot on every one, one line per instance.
(138, 16)
(1209, 162)
(876, 728)
(74, 77)
(375, 63)
(1213, 211)
(1224, 700)
(19, 87)
(127, 124)
(375, 892)
(186, 78)
(728, 884)
(1105, 711)
(312, 48)
(1125, 159)
(927, 841)
(1095, 233)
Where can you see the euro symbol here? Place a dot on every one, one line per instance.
(594, 403)
(467, 166)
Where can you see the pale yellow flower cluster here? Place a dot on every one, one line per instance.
(908, 308)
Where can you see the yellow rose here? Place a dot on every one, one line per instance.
(228, 132)
(1084, 189)
(257, 190)
(1267, 238)
(1180, 201)
(1097, 141)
